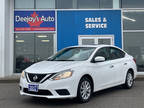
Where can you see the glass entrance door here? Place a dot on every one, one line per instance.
(31, 48)
(96, 39)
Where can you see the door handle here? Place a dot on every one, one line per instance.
(125, 63)
(112, 66)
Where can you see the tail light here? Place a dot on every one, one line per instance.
(134, 60)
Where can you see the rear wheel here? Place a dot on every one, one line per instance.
(84, 90)
(129, 80)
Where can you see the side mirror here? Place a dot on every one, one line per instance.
(99, 59)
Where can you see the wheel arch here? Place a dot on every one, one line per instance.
(126, 85)
(90, 78)
(131, 70)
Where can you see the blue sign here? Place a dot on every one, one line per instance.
(34, 21)
(72, 23)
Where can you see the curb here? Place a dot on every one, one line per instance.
(140, 78)
(9, 81)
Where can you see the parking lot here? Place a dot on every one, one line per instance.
(116, 97)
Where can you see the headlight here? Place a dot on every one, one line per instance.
(62, 75)
(23, 74)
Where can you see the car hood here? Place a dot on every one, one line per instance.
(52, 66)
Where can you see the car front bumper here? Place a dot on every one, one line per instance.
(65, 88)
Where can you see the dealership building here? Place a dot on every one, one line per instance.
(33, 30)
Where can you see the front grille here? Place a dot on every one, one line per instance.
(38, 78)
(40, 92)
(35, 77)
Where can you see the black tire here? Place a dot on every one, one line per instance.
(84, 95)
(129, 81)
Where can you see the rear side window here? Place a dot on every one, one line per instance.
(115, 53)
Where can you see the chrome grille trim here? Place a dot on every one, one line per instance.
(41, 80)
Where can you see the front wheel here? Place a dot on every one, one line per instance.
(129, 80)
(84, 90)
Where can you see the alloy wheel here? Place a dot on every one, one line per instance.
(85, 90)
(129, 79)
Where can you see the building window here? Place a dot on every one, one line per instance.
(134, 45)
(132, 3)
(93, 4)
(45, 4)
(106, 3)
(88, 4)
(34, 4)
(133, 20)
(24, 4)
(64, 4)
(134, 35)
(31, 48)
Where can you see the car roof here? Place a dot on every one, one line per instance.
(96, 46)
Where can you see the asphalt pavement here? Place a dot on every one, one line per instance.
(116, 97)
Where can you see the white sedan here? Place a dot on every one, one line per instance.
(78, 71)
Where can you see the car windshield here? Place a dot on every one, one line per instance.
(73, 54)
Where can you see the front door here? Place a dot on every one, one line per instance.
(104, 72)
(96, 39)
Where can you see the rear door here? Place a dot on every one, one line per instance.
(117, 58)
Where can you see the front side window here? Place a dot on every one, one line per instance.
(73, 54)
(110, 53)
(102, 52)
